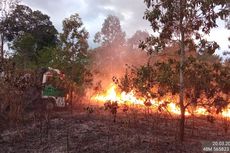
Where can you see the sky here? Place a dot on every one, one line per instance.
(94, 12)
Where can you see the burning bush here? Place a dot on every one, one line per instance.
(203, 87)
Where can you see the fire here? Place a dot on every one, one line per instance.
(174, 109)
(201, 111)
(226, 113)
(112, 94)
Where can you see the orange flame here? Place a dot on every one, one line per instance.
(130, 98)
(226, 113)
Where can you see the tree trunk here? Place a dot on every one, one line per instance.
(71, 99)
(182, 57)
(2, 48)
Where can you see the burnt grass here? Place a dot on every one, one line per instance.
(135, 131)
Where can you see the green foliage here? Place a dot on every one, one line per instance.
(74, 38)
(192, 18)
(34, 40)
(26, 49)
(144, 80)
(24, 20)
(72, 56)
(35, 44)
(203, 80)
(183, 22)
(31, 33)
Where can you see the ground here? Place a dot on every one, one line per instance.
(134, 131)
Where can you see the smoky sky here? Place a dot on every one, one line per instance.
(93, 13)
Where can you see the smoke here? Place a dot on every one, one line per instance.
(112, 61)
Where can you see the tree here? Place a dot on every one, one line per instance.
(206, 84)
(6, 8)
(182, 21)
(30, 32)
(111, 32)
(137, 38)
(228, 27)
(228, 21)
(74, 37)
(25, 47)
(72, 56)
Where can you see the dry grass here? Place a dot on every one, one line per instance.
(97, 133)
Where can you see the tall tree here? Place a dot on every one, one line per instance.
(74, 58)
(74, 37)
(31, 32)
(228, 27)
(111, 32)
(6, 8)
(182, 21)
